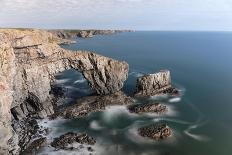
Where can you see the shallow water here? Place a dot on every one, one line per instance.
(201, 119)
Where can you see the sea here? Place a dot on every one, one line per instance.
(201, 118)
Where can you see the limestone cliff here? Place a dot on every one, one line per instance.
(29, 59)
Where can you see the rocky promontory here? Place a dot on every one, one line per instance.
(29, 60)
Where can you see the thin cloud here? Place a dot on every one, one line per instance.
(132, 14)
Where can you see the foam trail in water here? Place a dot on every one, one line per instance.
(61, 81)
(176, 99)
(195, 136)
(136, 74)
(158, 97)
(113, 112)
(80, 81)
(199, 122)
(95, 125)
(171, 120)
(84, 90)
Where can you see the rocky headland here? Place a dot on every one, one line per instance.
(29, 61)
(72, 34)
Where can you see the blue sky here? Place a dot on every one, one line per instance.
(118, 14)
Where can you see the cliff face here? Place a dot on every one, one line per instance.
(153, 84)
(7, 70)
(29, 61)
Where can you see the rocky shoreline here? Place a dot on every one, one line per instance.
(31, 58)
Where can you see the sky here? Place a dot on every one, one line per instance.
(118, 14)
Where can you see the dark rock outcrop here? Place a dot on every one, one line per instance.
(35, 146)
(153, 84)
(148, 108)
(65, 140)
(89, 104)
(155, 131)
(28, 131)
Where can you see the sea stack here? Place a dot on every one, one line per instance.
(153, 84)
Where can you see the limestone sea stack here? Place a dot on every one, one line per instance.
(153, 84)
(29, 60)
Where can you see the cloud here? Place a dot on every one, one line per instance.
(134, 14)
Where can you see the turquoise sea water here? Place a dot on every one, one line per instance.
(200, 65)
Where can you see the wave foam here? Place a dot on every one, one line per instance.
(136, 74)
(61, 81)
(95, 125)
(176, 99)
(80, 81)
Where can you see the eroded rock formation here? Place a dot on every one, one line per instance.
(64, 141)
(155, 131)
(86, 105)
(29, 61)
(153, 84)
(148, 108)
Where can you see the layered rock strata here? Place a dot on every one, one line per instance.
(153, 84)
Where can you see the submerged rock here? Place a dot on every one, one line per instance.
(155, 131)
(153, 84)
(89, 104)
(64, 141)
(148, 108)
